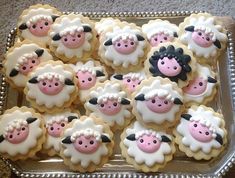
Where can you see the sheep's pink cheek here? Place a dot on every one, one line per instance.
(40, 29)
(159, 105)
(18, 136)
(196, 86)
(201, 40)
(50, 87)
(148, 143)
(157, 39)
(29, 66)
(73, 41)
(169, 67)
(55, 129)
(111, 107)
(125, 46)
(131, 84)
(85, 80)
(86, 145)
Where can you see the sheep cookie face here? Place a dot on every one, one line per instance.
(40, 28)
(202, 39)
(159, 105)
(148, 143)
(169, 66)
(29, 65)
(156, 39)
(86, 144)
(17, 135)
(110, 107)
(200, 132)
(56, 128)
(50, 87)
(126, 46)
(73, 41)
(196, 86)
(85, 80)
(131, 84)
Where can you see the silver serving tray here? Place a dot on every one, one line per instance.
(181, 166)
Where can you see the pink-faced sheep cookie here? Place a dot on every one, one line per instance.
(157, 103)
(123, 47)
(146, 149)
(22, 133)
(171, 60)
(201, 133)
(55, 125)
(86, 144)
(51, 87)
(202, 88)
(108, 102)
(160, 31)
(35, 22)
(88, 74)
(73, 38)
(21, 59)
(204, 35)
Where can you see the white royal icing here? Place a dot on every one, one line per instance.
(103, 25)
(132, 75)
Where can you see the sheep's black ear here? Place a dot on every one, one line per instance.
(39, 52)
(23, 26)
(105, 139)
(99, 73)
(87, 28)
(217, 43)
(178, 101)
(68, 82)
(186, 116)
(1, 138)
(67, 140)
(93, 101)
(54, 17)
(175, 34)
(108, 42)
(13, 73)
(131, 137)
(31, 120)
(70, 118)
(219, 139)
(140, 97)
(189, 28)
(33, 80)
(125, 101)
(56, 37)
(118, 77)
(139, 37)
(211, 80)
(165, 139)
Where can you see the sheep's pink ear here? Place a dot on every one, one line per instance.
(54, 17)
(165, 139)
(99, 73)
(93, 101)
(23, 26)
(13, 73)
(68, 82)
(56, 37)
(31, 120)
(189, 28)
(217, 44)
(67, 140)
(33, 80)
(70, 118)
(1, 138)
(178, 101)
(219, 139)
(131, 137)
(139, 37)
(186, 116)
(118, 77)
(39, 52)
(125, 101)
(140, 97)
(87, 28)
(105, 139)
(108, 42)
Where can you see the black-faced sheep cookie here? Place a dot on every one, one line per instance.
(173, 61)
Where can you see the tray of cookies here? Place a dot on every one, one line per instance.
(118, 94)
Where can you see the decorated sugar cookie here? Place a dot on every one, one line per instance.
(201, 133)
(51, 87)
(105, 23)
(55, 125)
(86, 144)
(204, 35)
(173, 61)
(108, 102)
(157, 102)
(35, 23)
(88, 74)
(202, 88)
(22, 133)
(146, 149)
(22, 59)
(160, 31)
(72, 38)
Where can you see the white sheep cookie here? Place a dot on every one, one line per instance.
(35, 23)
(55, 125)
(146, 149)
(157, 102)
(72, 38)
(22, 133)
(201, 133)
(204, 35)
(51, 87)
(86, 144)
(88, 74)
(21, 59)
(108, 102)
(160, 31)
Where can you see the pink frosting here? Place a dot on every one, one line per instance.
(111, 107)
(50, 87)
(125, 46)
(29, 66)
(169, 67)
(202, 39)
(196, 86)
(85, 80)
(148, 143)
(56, 128)
(18, 135)
(73, 41)
(86, 144)
(131, 84)
(156, 39)
(159, 105)
(40, 28)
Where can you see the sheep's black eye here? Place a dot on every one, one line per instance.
(80, 142)
(141, 140)
(62, 124)
(89, 79)
(115, 104)
(46, 23)
(34, 26)
(153, 101)
(200, 83)
(154, 141)
(118, 44)
(195, 125)
(128, 80)
(199, 33)
(102, 105)
(207, 133)
(91, 142)
(165, 38)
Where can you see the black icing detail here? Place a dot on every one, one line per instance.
(99, 73)
(125, 101)
(31, 120)
(165, 139)
(87, 28)
(13, 72)
(33, 80)
(217, 44)
(23, 26)
(93, 101)
(140, 97)
(170, 52)
(70, 118)
(105, 139)
(108, 42)
(39, 52)
(68, 82)
(131, 137)
(118, 77)
(56, 37)
(186, 116)
(54, 17)
(175, 34)
(139, 37)
(189, 28)
(211, 80)
(178, 101)
(219, 139)
(1, 138)
(67, 140)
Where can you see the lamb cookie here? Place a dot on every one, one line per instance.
(21, 59)
(160, 31)
(22, 133)
(55, 124)
(73, 38)
(146, 149)
(108, 102)
(172, 60)
(88, 74)
(202, 88)
(51, 87)
(35, 22)
(157, 103)
(123, 47)
(204, 35)
(86, 144)
(201, 133)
